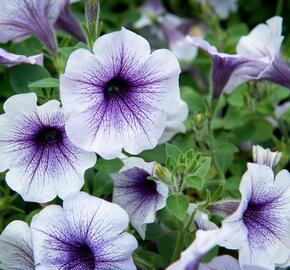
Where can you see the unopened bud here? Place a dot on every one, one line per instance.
(161, 172)
(92, 9)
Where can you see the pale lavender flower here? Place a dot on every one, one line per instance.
(20, 19)
(265, 156)
(119, 95)
(260, 226)
(257, 58)
(34, 147)
(139, 196)
(68, 23)
(16, 251)
(86, 233)
(10, 59)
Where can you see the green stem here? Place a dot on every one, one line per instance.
(279, 7)
(180, 243)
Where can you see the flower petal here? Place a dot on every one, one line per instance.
(16, 247)
(138, 195)
(85, 233)
(10, 59)
(19, 19)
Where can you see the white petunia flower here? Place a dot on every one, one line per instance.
(139, 196)
(86, 233)
(265, 156)
(16, 250)
(34, 147)
(261, 224)
(118, 96)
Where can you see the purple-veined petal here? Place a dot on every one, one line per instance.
(68, 23)
(139, 196)
(16, 251)
(86, 233)
(10, 59)
(41, 160)
(262, 221)
(122, 93)
(229, 71)
(19, 19)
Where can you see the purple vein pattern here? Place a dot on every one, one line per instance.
(262, 221)
(19, 19)
(139, 196)
(42, 162)
(16, 247)
(86, 234)
(119, 95)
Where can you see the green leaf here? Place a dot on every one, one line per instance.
(203, 167)
(194, 182)
(22, 75)
(217, 194)
(110, 166)
(177, 205)
(166, 246)
(172, 150)
(194, 100)
(45, 83)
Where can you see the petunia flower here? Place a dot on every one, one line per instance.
(175, 121)
(68, 23)
(20, 19)
(139, 196)
(257, 58)
(261, 223)
(16, 250)
(10, 59)
(34, 147)
(119, 95)
(86, 233)
(191, 257)
(265, 156)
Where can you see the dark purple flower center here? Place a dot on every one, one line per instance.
(116, 87)
(84, 256)
(49, 136)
